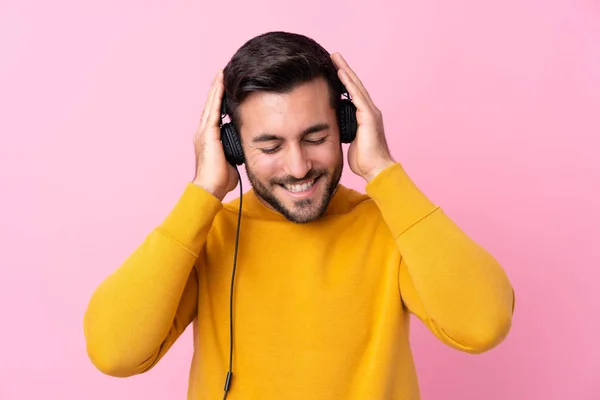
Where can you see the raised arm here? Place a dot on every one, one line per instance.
(138, 312)
(446, 279)
(450, 282)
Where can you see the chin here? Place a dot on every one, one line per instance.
(303, 204)
(299, 203)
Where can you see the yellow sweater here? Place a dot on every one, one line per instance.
(321, 310)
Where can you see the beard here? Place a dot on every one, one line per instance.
(305, 210)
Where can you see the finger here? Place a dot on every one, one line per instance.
(358, 98)
(214, 114)
(342, 64)
(208, 101)
(206, 110)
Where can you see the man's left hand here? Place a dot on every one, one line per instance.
(368, 154)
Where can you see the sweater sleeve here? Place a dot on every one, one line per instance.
(446, 279)
(136, 314)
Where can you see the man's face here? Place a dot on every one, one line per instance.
(292, 148)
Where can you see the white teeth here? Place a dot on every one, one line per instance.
(299, 188)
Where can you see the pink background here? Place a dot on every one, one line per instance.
(493, 107)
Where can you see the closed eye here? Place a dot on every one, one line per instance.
(270, 150)
(317, 141)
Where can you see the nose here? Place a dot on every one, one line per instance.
(297, 163)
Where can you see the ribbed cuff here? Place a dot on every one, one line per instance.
(400, 201)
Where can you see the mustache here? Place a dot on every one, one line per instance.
(290, 180)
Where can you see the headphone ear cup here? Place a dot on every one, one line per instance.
(231, 145)
(347, 121)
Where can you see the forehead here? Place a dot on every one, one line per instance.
(286, 114)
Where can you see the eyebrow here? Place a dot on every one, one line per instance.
(267, 137)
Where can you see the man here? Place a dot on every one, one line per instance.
(326, 276)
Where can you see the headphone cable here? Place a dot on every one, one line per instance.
(237, 236)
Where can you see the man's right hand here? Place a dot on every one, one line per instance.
(213, 173)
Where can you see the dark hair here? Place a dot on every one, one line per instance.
(276, 62)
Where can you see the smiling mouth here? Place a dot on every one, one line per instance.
(300, 188)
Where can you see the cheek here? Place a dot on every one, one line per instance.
(264, 166)
(326, 155)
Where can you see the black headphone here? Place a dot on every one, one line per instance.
(346, 113)
(232, 147)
